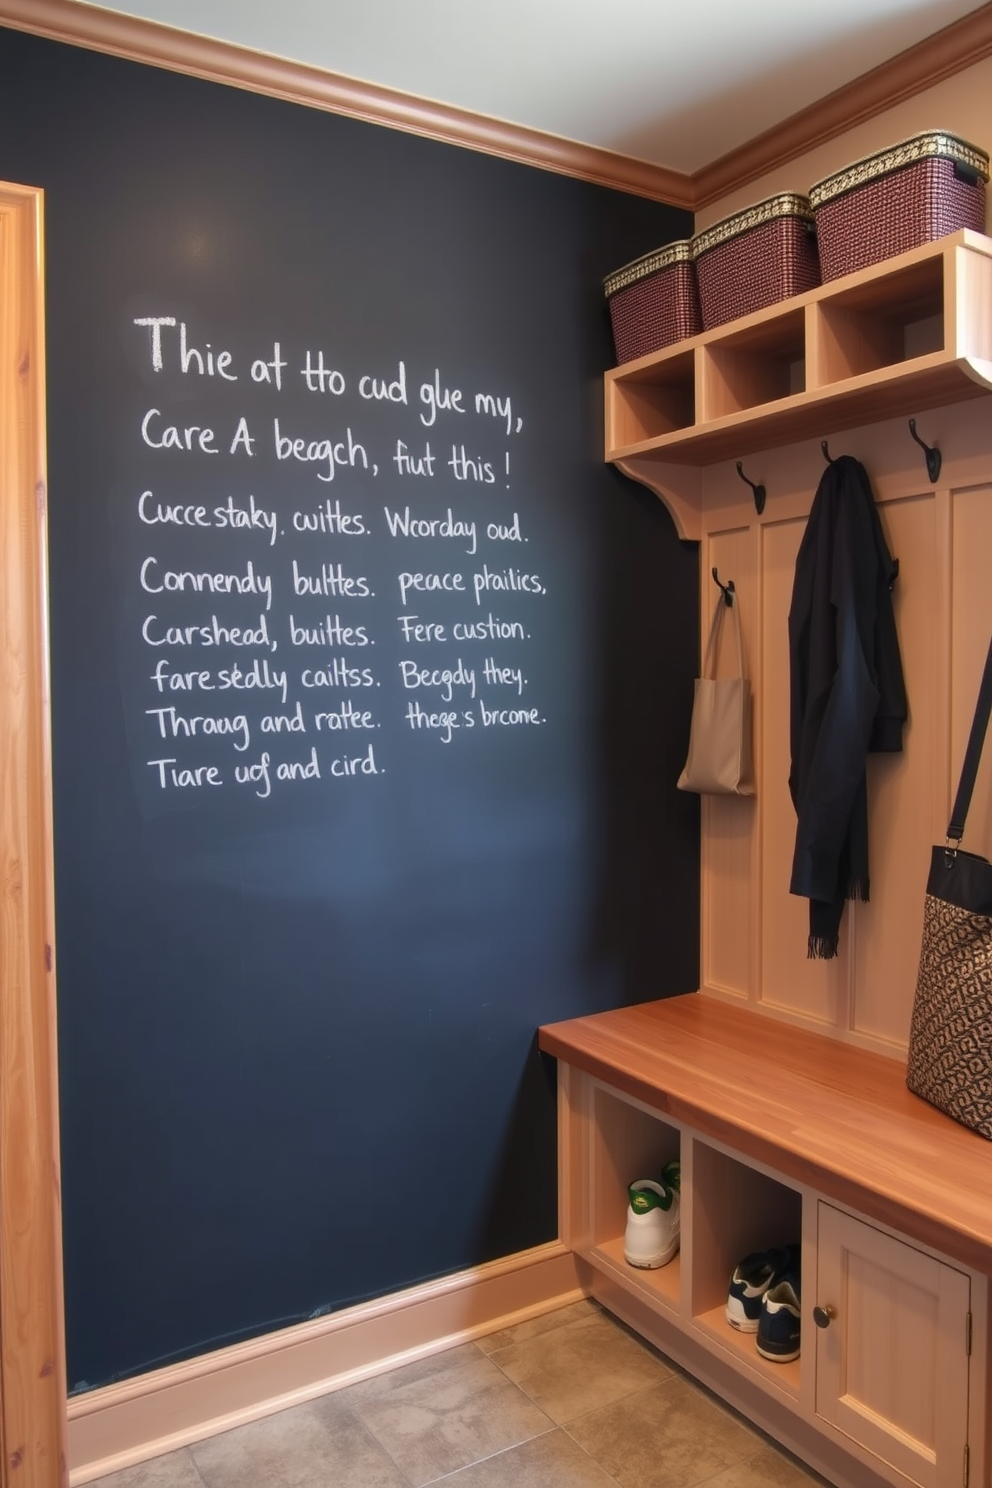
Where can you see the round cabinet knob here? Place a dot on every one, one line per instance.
(822, 1316)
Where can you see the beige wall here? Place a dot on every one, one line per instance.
(959, 104)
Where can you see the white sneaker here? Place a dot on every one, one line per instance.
(652, 1236)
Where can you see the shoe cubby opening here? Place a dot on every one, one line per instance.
(736, 1211)
(879, 324)
(651, 401)
(758, 364)
(632, 1143)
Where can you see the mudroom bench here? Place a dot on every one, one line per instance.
(787, 1135)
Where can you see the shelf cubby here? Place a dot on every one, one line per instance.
(736, 1209)
(910, 333)
(879, 323)
(660, 399)
(632, 1143)
(663, 1284)
(760, 363)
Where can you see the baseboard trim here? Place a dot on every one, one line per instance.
(120, 1425)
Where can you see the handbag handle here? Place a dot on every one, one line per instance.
(972, 755)
(710, 655)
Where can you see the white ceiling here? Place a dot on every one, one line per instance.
(676, 82)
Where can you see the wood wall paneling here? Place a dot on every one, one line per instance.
(753, 930)
(788, 980)
(887, 930)
(728, 920)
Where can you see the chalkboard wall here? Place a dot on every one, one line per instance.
(370, 688)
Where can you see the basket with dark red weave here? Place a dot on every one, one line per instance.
(653, 301)
(755, 258)
(911, 193)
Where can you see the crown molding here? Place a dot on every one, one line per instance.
(139, 40)
(940, 56)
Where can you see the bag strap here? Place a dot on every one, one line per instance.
(972, 754)
(709, 659)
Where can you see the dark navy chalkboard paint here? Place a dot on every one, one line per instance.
(370, 690)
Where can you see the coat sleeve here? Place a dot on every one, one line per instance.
(840, 708)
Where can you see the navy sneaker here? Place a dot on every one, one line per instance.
(778, 1326)
(752, 1278)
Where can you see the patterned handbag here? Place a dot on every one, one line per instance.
(950, 1041)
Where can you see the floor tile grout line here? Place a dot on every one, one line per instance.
(381, 1446)
(550, 1427)
(194, 1465)
(595, 1460)
(505, 1452)
(618, 1400)
(489, 1457)
(743, 1462)
(585, 1315)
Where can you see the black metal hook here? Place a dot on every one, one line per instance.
(826, 453)
(932, 453)
(759, 491)
(727, 589)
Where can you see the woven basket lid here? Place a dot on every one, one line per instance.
(935, 144)
(786, 204)
(641, 268)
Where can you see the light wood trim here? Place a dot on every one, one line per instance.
(32, 1352)
(222, 62)
(678, 487)
(120, 1425)
(940, 56)
(816, 1110)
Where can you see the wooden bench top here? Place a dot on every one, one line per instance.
(816, 1110)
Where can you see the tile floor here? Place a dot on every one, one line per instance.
(570, 1400)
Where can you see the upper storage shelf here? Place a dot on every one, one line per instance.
(907, 334)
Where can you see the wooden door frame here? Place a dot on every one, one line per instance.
(32, 1346)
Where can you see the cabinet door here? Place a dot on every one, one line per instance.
(892, 1362)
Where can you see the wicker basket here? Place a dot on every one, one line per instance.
(653, 301)
(910, 194)
(755, 258)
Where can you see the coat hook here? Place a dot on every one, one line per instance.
(727, 589)
(932, 453)
(759, 491)
(826, 453)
